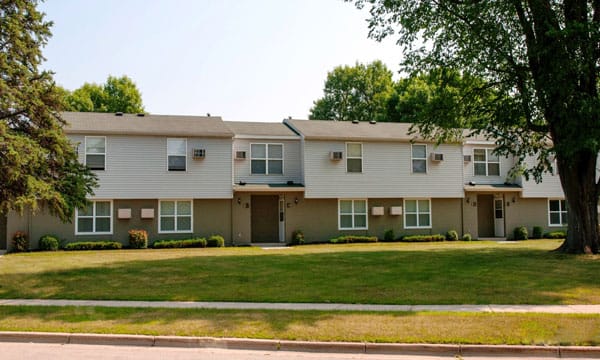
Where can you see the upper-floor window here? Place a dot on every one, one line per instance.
(177, 154)
(486, 163)
(352, 214)
(557, 212)
(266, 159)
(419, 158)
(354, 157)
(175, 216)
(95, 152)
(417, 213)
(94, 219)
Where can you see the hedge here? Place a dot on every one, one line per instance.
(94, 245)
(215, 241)
(187, 243)
(555, 235)
(423, 238)
(349, 239)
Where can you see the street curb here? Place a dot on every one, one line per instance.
(305, 346)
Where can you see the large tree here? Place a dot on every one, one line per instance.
(358, 92)
(38, 163)
(542, 59)
(118, 94)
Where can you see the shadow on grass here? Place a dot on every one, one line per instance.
(440, 276)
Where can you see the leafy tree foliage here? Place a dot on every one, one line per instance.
(358, 92)
(541, 57)
(38, 163)
(118, 94)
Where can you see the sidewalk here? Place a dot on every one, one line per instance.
(549, 309)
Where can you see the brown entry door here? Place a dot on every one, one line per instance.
(485, 215)
(3, 239)
(265, 218)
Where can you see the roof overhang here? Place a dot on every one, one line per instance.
(493, 188)
(268, 188)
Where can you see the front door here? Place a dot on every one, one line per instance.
(3, 236)
(499, 217)
(485, 216)
(265, 218)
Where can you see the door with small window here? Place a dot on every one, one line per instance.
(499, 217)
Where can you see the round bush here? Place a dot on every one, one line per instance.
(297, 237)
(537, 232)
(389, 236)
(48, 243)
(452, 235)
(467, 237)
(520, 233)
(215, 241)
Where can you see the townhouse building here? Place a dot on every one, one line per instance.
(189, 176)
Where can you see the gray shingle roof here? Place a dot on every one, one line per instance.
(347, 130)
(259, 128)
(157, 125)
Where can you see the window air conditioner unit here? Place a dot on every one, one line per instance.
(198, 154)
(437, 157)
(336, 155)
(240, 155)
(467, 158)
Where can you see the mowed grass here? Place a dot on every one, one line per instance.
(463, 328)
(439, 273)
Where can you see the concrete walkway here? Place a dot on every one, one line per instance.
(550, 309)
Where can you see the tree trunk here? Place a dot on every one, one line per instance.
(578, 178)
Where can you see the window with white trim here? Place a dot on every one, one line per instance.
(486, 163)
(266, 159)
(419, 158)
(94, 219)
(417, 213)
(352, 214)
(557, 212)
(95, 152)
(354, 157)
(177, 154)
(175, 216)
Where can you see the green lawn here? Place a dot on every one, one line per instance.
(434, 273)
(464, 328)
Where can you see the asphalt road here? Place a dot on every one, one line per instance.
(22, 351)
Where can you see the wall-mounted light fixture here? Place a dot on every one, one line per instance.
(296, 200)
(467, 200)
(239, 201)
(514, 199)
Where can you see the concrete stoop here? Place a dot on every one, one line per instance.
(305, 346)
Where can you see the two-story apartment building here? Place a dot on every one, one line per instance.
(188, 176)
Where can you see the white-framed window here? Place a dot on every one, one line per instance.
(354, 157)
(557, 212)
(266, 159)
(352, 214)
(175, 216)
(94, 219)
(176, 154)
(417, 213)
(419, 158)
(486, 163)
(95, 152)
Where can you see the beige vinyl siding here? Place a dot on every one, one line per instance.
(292, 170)
(549, 187)
(386, 172)
(136, 168)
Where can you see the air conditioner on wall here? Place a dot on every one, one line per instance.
(198, 154)
(336, 155)
(437, 157)
(467, 158)
(240, 155)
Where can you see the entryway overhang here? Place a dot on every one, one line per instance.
(494, 188)
(268, 188)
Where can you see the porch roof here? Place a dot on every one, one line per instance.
(488, 188)
(275, 188)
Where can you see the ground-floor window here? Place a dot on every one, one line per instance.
(352, 214)
(175, 216)
(557, 212)
(417, 213)
(94, 219)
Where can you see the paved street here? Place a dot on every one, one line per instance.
(22, 351)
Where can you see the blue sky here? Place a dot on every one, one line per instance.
(244, 60)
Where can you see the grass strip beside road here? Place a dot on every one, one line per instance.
(434, 273)
(402, 327)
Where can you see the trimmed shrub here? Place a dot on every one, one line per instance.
(215, 241)
(555, 235)
(353, 239)
(138, 239)
(297, 237)
(520, 233)
(20, 242)
(173, 244)
(48, 243)
(389, 236)
(94, 245)
(452, 235)
(423, 238)
(537, 232)
(467, 237)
